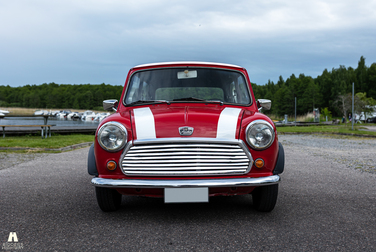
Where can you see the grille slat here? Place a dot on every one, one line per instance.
(187, 150)
(183, 173)
(127, 162)
(186, 159)
(188, 168)
(179, 146)
(166, 164)
(183, 153)
(163, 157)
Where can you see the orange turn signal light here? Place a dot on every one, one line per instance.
(111, 165)
(259, 163)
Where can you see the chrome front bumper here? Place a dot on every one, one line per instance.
(185, 183)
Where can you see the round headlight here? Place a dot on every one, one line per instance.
(112, 136)
(260, 134)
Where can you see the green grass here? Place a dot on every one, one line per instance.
(54, 142)
(329, 129)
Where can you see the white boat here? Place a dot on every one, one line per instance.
(63, 114)
(41, 112)
(90, 118)
(72, 115)
(54, 113)
(86, 114)
(4, 112)
(76, 116)
(60, 115)
(100, 117)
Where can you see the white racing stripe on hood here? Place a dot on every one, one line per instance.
(227, 123)
(144, 121)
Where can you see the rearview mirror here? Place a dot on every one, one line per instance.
(264, 104)
(110, 104)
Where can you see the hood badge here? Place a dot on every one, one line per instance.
(185, 131)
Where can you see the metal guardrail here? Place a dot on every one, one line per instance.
(46, 128)
(45, 117)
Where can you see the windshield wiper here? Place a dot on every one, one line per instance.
(196, 99)
(149, 101)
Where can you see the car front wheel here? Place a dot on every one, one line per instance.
(108, 199)
(265, 197)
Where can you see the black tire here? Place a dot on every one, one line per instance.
(265, 197)
(109, 200)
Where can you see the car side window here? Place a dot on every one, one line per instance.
(133, 93)
(243, 95)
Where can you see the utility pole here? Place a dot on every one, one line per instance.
(352, 113)
(295, 110)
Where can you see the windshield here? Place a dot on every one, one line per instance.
(188, 84)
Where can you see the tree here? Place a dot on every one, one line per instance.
(76, 104)
(310, 96)
(365, 104)
(361, 74)
(343, 104)
(326, 113)
(284, 101)
(371, 80)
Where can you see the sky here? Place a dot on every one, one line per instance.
(80, 41)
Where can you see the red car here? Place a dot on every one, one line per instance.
(185, 131)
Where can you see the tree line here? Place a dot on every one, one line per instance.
(328, 92)
(62, 96)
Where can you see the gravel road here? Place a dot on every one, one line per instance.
(327, 202)
(9, 159)
(355, 153)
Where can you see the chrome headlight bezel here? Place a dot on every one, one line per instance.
(113, 130)
(251, 137)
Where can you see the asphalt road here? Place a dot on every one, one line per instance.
(323, 205)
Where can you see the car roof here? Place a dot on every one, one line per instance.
(189, 63)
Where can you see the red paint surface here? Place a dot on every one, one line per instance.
(203, 117)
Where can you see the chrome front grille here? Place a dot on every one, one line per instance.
(186, 157)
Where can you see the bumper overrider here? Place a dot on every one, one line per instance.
(185, 183)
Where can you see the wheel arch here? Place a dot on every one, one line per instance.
(91, 164)
(280, 165)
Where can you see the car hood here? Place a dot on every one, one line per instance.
(189, 120)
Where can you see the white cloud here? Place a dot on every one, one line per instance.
(96, 41)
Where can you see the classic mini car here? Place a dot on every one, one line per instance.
(186, 131)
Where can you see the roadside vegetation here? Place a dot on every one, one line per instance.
(35, 141)
(345, 129)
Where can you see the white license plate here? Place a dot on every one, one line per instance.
(185, 195)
